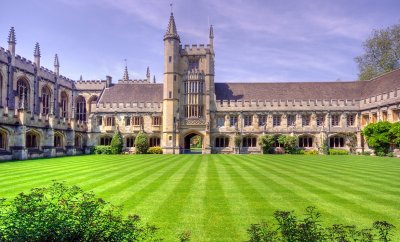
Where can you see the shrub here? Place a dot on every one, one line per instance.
(338, 152)
(154, 150)
(116, 143)
(102, 149)
(288, 227)
(266, 142)
(379, 136)
(390, 154)
(238, 140)
(380, 153)
(141, 143)
(288, 142)
(367, 153)
(62, 213)
(311, 152)
(279, 151)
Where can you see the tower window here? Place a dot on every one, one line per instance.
(174, 78)
(170, 94)
(170, 59)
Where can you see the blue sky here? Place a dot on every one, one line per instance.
(255, 41)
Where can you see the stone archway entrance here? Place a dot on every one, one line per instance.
(193, 143)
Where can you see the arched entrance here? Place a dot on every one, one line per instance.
(193, 144)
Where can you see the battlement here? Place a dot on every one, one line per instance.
(379, 100)
(195, 49)
(135, 81)
(286, 105)
(4, 55)
(194, 74)
(111, 107)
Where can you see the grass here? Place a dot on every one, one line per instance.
(217, 197)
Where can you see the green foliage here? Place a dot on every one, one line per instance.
(289, 143)
(311, 152)
(289, 227)
(62, 213)
(394, 133)
(324, 146)
(154, 150)
(338, 152)
(382, 53)
(378, 136)
(141, 143)
(196, 142)
(266, 142)
(366, 153)
(185, 236)
(102, 149)
(116, 143)
(390, 154)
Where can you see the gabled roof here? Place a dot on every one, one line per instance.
(129, 93)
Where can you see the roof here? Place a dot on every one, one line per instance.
(128, 93)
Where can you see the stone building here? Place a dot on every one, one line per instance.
(44, 114)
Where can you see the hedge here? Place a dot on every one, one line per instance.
(338, 152)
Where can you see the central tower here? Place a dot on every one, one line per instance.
(172, 80)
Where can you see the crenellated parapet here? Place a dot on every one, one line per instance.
(127, 107)
(195, 49)
(135, 81)
(286, 105)
(4, 55)
(380, 100)
(95, 85)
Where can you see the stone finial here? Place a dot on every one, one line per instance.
(126, 75)
(37, 50)
(56, 65)
(171, 32)
(154, 79)
(81, 79)
(211, 32)
(11, 36)
(148, 74)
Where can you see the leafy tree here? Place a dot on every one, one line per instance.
(288, 142)
(141, 143)
(382, 53)
(62, 213)
(266, 143)
(116, 143)
(394, 133)
(378, 136)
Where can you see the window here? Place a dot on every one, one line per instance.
(130, 142)
(99, 120)
(305, 120)
(32, 140)
(137, 121)
(127, 121)
(351, 119)
(384, 116)
(262, 120)
(170, 59)
(336, 142)
(110, 121)
(291, 120)
(23, 94)
(174, 78)
(154, 141)
(335, 120)
(3, 140)
(170, 94)
(374, 118)
(64, 105)
(276, 120)
(320, 120)
(45, 100)
(220, 121)
(105, 140)
(365, 119)
(305, 142)
(58, 141)
(248, 120)
(81, 109)
(249, 142)
(78, 141)
(157, 120)
(233, 120)
(193, 64)
(221, 142)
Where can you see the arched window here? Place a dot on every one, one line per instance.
(221, 142)
(130, 141)
(58, 140)
(154, 141)
(105, 140)
(92, 99)
(32, 140)
(78, 141)
(46, 97)
(81, 109)
(249, 141)
(336, 142)
(23, 94)
(64, 105)
(305, 141)
(3, 140)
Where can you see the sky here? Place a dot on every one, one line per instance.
(255, 40)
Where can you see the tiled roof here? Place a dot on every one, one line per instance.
(128, 93)
(382, 84)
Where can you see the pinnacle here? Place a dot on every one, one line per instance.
(148, 72)
(171, 29)
(211, 32)
(56, 62)
(37, 50)
(11, 36)
(126, 75)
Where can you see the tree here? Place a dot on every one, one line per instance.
(378, 136)
(288, 142)
(63, 213)
(141, 143)
(116, 143)
(382, 53)
(266, 142)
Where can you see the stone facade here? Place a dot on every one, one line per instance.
(44, 114)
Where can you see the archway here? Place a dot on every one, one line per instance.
(193, 143)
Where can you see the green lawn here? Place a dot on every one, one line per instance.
(217, 197)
